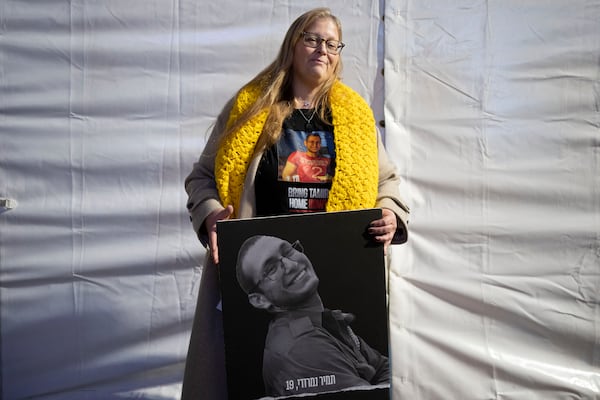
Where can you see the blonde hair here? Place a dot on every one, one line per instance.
(275, 82)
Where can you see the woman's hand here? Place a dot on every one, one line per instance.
(211, 228)
(383, 229)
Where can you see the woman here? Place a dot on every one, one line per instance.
(239, 173)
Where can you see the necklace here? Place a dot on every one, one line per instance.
(309, 126)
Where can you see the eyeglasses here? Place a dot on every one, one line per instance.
(314, 41)
(271, 270)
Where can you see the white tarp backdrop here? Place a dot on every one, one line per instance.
(492, 114)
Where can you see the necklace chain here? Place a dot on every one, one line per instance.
(308, 119)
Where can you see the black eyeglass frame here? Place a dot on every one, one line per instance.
(339, 46)
(296, 246)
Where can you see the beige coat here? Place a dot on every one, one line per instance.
(204, 376)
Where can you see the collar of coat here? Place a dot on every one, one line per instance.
(355, 182)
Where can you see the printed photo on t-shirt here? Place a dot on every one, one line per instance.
(306, 157)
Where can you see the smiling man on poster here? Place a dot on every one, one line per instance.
(308, 348)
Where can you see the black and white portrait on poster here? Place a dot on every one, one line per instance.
(304, 307)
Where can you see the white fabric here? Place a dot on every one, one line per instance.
(492, 112)
(492, 116)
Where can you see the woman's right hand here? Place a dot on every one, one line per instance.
(211, 228)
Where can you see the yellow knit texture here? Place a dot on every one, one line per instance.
(356, 176)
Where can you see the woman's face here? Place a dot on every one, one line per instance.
(313, 66)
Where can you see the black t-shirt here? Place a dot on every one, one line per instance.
(294, 175)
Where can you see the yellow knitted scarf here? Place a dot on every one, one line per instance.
(356, 176)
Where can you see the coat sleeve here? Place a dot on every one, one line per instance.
(388, 195)
(200, 185)
(377, 361)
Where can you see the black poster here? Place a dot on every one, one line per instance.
(305, 314)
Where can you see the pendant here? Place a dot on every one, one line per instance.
(309, 127)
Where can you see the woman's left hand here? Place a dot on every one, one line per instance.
(383, 229)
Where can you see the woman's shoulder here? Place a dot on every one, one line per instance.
(348, 106)
(249, 92)
(342, 92)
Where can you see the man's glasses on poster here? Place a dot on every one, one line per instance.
(271, 270)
